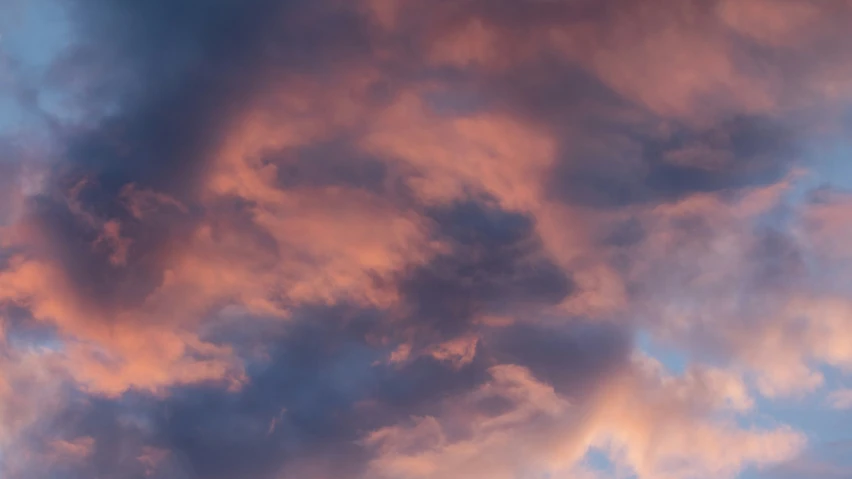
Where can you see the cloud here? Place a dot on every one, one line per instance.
(411, 239)
(840, 399)
(515, 425)
(823, 461)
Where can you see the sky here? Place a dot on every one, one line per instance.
(425, 239)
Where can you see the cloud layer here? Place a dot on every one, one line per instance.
(407, 239)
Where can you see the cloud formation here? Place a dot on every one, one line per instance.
(417, 239)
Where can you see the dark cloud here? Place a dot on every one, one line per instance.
(76, 240)
(746, 151)
(497, 266)
(188, 69)
(336, 162)
(299, 405)
(571, 358)
(625, 234)
(322, 386)
(779, 262)
(11, 163)
(21, 330)
(326, 381)
(173, 77)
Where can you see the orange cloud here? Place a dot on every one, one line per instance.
(489, 154)
(641, 416)
(317, 185)
(779, 24)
